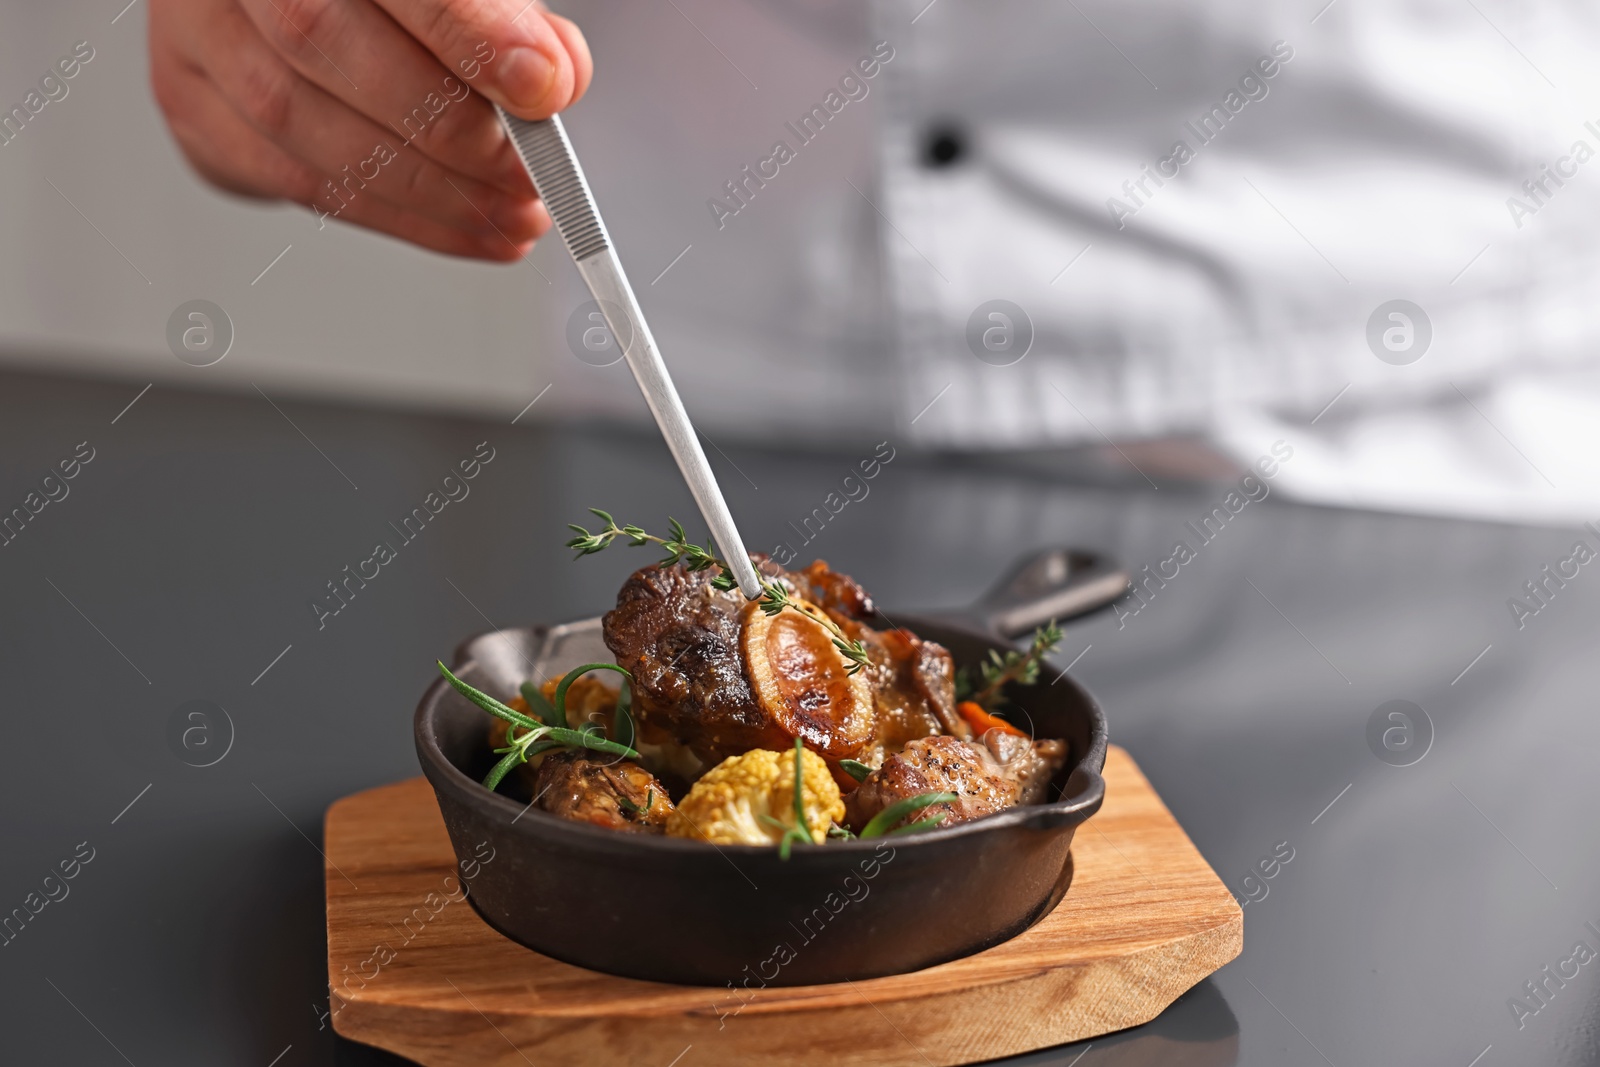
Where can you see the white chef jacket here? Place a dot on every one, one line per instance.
(1196, 244)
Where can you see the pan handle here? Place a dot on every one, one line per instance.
(1056, 583)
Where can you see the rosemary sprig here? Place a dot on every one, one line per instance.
(799, 831)
(774, 595)
(636, 809)
(623, 731)
(1020, 667)
(540, 736)
(855, 769)
(541, 708)
(879, 824)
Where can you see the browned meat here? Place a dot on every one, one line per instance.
(680, 638)
(597, 788)
(987, 776)
(913, 681)
(714, 672)
(913, 689)
(718, 675)
(1032, 763)
(837, 594)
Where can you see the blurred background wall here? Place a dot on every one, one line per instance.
(104, 231)
(1235, 307)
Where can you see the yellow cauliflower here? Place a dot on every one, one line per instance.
(725, 807)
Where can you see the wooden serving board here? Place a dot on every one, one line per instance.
(1145, 919)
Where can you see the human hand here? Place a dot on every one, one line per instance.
(376, 112)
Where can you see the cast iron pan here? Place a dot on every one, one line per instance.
(670, 910)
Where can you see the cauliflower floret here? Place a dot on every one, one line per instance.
(725, 807)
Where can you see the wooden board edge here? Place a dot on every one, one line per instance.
(1137, 990)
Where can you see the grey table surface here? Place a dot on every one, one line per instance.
(1422, 904)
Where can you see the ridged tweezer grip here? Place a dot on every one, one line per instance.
(552, 164)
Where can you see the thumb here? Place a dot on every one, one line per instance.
(515, 52)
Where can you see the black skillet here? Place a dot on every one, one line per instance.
(680, 911)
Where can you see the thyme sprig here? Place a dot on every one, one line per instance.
(678, 547)
(775, 596)
(1021, 667)
(541, 736)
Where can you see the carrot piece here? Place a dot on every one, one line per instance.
(982, 721)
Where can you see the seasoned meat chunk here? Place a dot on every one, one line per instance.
(987, 776)
(598, 788)
(716, 673)
(913, 689)
(1032, 764)
(838, 594)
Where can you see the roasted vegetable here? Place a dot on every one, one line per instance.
(750, 800)
(982, 721)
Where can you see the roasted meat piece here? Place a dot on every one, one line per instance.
(838, 594)
(913, 690)
(599, 788)
(1032, 764)
(716, 673)
(995, 772)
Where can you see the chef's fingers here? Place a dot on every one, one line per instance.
(578, 49)
(363, 160)
(529, 66)
(231, 154)
(219, 144)
(353, 50)
(420, 230)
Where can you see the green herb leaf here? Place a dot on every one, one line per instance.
(799, 832)
(590, 740)
(1020, 667)
(880, 823)
(623, 731)
(858, 771)
(513, 759)
(679, 549)
(538, 706)
(559, 713)
(487, 702)
(540, 736)
(544, 744)
(799, 789)
(854, 651)
(634, 809)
